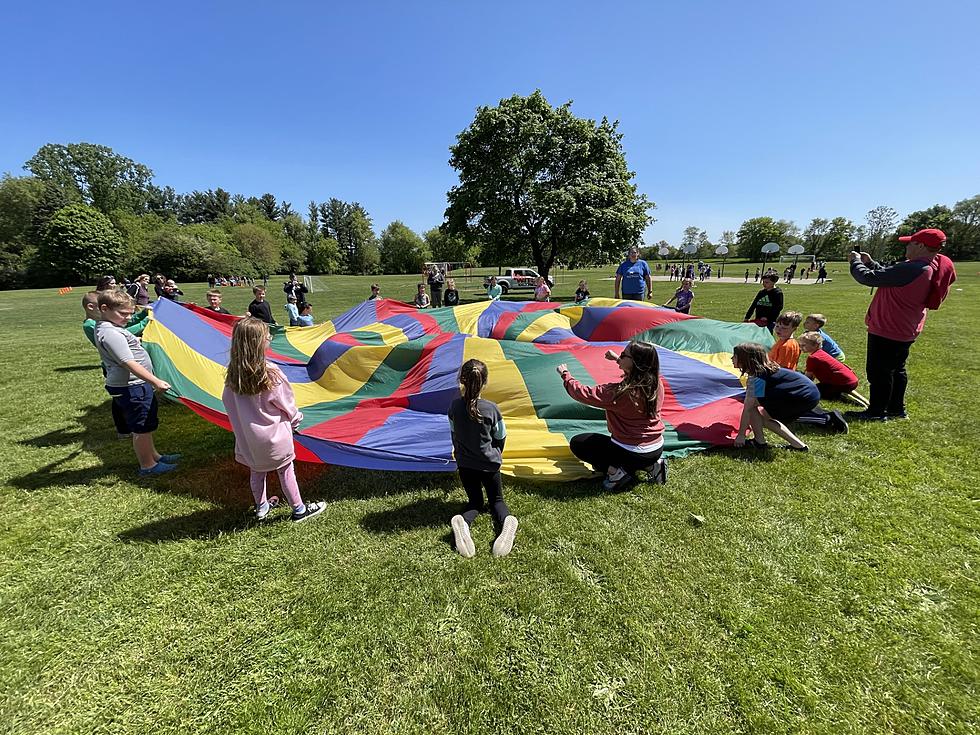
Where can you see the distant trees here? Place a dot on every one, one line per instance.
(79, 244)
(93, 174)
(756, 232)
(537, 183)
(401, 250)
(825, 238)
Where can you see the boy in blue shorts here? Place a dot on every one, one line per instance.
(130, 379)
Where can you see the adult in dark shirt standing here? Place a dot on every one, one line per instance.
(768, 303)
(897, 315)
(292, 287)
(259, 308)
(436, 281)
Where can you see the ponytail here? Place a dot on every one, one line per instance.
(472, 378)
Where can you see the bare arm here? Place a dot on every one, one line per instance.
(751, 404)
(619, 280)
(143, 374)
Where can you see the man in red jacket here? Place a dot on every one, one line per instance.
(897, 314)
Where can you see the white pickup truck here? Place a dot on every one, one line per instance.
(517, 279)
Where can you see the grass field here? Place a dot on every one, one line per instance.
(833, 592)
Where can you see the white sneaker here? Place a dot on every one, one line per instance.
(312, 510)
(461, 534)
(505, 541)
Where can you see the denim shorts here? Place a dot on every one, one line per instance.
(139, 406)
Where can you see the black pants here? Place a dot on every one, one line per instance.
(474, 481)
(601, 452)
(887, 378)
(436, 296)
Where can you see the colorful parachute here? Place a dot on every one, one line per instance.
(374, 384)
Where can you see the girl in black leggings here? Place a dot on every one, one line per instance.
(632, 407)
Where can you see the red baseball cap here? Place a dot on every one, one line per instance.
(933, 239)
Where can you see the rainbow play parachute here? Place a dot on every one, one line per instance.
(374, 384)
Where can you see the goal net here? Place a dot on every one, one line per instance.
(802, 258)
(315, 284)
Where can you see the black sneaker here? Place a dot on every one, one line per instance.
(312, 509)
(865, 416)
(837, 422)
(897, 416)
(660, 473)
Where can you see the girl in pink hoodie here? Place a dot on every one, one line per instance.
(263, 414)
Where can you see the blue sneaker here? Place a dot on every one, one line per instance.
(158, 469)
(171, 458)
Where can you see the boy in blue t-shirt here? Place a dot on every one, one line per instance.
(633, 278)
(815, 323)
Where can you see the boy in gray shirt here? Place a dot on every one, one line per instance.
(130, 380)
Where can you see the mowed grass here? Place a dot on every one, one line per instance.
(831, 592)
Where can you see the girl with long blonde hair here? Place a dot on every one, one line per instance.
(262, 410)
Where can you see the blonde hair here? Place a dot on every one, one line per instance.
(114, 298)
(214, 292)
(473, 377)
(643, 379)
(818, 318)
(793, 318)
(812, 338)
(248, 373)
(753, 359)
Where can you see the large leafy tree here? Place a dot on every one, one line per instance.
(95, 174)
(323, 255)
(756, 232)
(205, 206)
(879, 230)
(450, 248)
(79, 244)
(258, 246)
(401, 250)
(362, 245)
(964, 238)
(536, 182)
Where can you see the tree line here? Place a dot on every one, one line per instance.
(85, 210)
(536, 185)
(832, 239)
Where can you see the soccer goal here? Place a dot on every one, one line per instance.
(801, 258)
(315, 284)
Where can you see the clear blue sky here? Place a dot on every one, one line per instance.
(729, 110)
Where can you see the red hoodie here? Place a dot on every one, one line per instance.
(898, 309)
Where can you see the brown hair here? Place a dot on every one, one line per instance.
(753, 359)
(257, 289)
(473, 377)
(642, 383)
(793, 318)
(105, 283)
(248, 372)
(90, 298)
(213, 292)
(114, 298)
(819, 319)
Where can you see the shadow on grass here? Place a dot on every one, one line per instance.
(208, 471)
(76, 368)
(423, 513)
(201, 525)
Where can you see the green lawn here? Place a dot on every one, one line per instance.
(833, 592)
